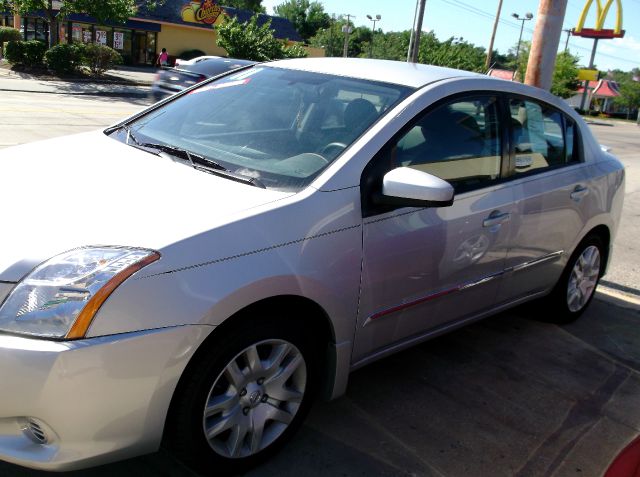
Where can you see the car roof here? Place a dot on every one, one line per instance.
(413, 75)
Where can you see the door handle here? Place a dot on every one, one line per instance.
(495, 218)
(579, 193)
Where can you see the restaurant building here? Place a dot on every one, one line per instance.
(177, 25)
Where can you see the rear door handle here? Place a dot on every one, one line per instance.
(579, 193)
(495, 218)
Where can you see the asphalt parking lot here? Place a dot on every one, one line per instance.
(509, 396)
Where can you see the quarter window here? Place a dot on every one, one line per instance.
(458, 142)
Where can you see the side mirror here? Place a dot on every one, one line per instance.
(407, 187)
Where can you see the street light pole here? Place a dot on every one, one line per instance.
(527, 16)
(373, 32)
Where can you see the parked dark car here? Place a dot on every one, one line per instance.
(172, 80)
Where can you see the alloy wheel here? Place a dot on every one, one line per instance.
(255, 398)
(583, 278)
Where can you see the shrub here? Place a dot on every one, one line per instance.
(34, 51)
(9, 34)
(26, 53)
(100, 58)
(65, 58)
(14, 52)
(191, 54)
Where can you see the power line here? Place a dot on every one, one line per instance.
(606, 55)
(482, 13)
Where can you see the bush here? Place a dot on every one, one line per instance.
(25, 53)
(100, 58)
(14, 52)
(191, 54)
(65, 58)
(9, 34)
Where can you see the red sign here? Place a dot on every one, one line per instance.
(593, 33)
(208, 12)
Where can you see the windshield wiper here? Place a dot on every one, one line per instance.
(197, 161)
(203, 163)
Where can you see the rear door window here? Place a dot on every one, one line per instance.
(542, 137)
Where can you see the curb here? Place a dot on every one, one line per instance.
(618, 298)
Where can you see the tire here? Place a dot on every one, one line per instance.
(243, 399)
(577, 285)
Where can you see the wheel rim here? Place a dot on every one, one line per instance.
(255, 398)
(583, 279)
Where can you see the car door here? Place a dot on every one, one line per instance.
(425, 269)
(552, 191)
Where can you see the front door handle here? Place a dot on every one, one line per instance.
(579, 193)
(495, 218)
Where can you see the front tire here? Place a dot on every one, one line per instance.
(244, 398)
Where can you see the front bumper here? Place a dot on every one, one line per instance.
(96, 400)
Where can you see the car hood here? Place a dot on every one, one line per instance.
(89, 189)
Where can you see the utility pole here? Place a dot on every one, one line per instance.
(566, 44)
(487, 64)
(414, 43)
(585, 93)
(332, 23)
(544, 48)
(346, 30)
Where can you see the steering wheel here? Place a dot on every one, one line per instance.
(332, 145)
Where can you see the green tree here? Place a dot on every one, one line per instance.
(251, 5)
(250, 41)
(565, 75)
(452, 53)
(307, 17)
(519, 64)
(629, 95)
(113, 10)
(332, 39)
(391, 45)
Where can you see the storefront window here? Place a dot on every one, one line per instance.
(104, 35)
(122, 43)
(34, 29)
(151, 47)
(62, 33)
(81, 33)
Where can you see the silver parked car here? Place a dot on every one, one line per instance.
(195, 275)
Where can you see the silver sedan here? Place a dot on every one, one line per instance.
(194, 276)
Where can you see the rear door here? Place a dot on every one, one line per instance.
(552, 191)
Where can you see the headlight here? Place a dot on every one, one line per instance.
(60, 297)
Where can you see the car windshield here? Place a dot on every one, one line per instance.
(280, 126)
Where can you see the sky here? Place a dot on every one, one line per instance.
(473, 21)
